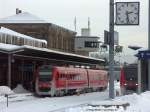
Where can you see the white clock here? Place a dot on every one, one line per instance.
(127, 13)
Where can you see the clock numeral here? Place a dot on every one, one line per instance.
(131, 21)
(119, 9)
(132, 5)
(136, 8)
(122, 21)
(122, 5)
(119, 18)
(135, 18)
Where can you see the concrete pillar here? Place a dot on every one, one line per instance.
(139, 77)
(9, 71)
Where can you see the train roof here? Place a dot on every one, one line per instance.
(68, 70)
(134, 65)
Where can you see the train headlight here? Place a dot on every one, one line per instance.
(136, 84)
(125, 84)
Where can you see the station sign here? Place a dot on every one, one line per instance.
(144, 54)
(107, 37)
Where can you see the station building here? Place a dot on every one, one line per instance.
(26, 42)
(58, 38)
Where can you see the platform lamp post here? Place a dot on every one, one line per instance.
(111, 50)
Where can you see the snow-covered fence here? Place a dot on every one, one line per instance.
(96, 107)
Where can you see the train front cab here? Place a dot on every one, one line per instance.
(44, 80)
(130, 74)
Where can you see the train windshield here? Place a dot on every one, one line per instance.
(45, 73)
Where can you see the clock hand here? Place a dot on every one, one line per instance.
(127, 14)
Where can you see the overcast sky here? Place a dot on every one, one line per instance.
(63, 12)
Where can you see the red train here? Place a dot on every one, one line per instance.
(58, 81)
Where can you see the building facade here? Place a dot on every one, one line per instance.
(86, 44)
(58, 38)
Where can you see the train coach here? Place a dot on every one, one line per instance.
(58, 81)
(130, 75)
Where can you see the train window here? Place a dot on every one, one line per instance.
(105, 77)
(102, 77)
(80, 77)
(95, 77)
(61, 76)
(71, 77)
(68, 77)
(76, 77)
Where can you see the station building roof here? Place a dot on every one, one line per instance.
(28, 18)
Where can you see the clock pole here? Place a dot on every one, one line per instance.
(149, 46)
(111, 50)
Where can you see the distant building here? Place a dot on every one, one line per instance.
(58, 38)
(86, 43)
(85, 32)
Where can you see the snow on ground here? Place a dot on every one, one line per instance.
(89, 102)
(137, 103)
(51, 103)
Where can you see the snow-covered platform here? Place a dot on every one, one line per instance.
(103, 106)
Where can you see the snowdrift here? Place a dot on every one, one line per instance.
(20, 89)
(5, 90)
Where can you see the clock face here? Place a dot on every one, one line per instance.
(127, 13)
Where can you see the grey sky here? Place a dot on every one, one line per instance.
(62, 12)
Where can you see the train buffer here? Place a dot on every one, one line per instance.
(109, 104)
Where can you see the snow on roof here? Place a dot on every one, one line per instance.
(24, 17)
(19, 35)
(64, 53)
(9, 47)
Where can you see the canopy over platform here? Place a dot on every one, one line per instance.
(44, 53)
